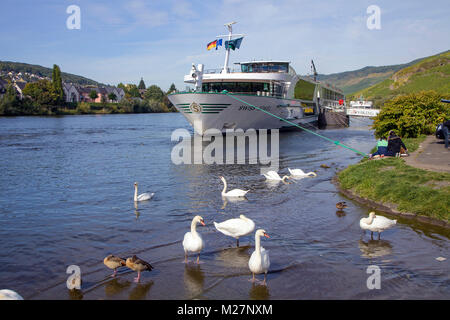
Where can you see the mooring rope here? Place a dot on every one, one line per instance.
(336, 142)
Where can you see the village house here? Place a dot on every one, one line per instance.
(76, 93)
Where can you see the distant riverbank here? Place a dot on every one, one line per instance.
(392, 186)
(125, 107)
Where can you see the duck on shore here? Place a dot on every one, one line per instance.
(114, 262)
(139, 265)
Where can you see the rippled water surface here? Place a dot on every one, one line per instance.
(66, 197)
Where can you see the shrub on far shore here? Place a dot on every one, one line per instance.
(412, 115)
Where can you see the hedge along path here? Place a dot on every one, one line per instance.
(336, 142)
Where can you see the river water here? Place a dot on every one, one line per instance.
(66, 198)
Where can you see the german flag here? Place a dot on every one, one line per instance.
(211, 45)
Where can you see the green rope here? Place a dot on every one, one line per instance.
(336, 142)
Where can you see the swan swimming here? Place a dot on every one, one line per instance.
(273, 175)
(236, 228)
(192, 241)
(301, 173)
(143, 196)
(259, 261)
(376, 223)
(232, 193)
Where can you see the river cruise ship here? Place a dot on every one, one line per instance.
(273, 86)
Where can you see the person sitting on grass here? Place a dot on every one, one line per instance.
(381, 148)
(395, 144)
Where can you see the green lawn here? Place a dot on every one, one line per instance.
(392, 181)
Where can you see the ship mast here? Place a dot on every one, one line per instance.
(227, 54)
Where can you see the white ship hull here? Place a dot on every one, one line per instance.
(219, 111)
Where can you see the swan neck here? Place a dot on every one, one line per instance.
(135, 193)
(224, 185)
(258, 244)
(194, 226)
(370, 220)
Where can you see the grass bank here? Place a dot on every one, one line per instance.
(401, 187)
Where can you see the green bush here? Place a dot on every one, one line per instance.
(412, 115)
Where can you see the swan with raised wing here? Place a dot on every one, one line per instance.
(273, 175)
(142, 196)
(299, 173)
(232, 193)
(236, 228)
(193, 241)
(376, 223)
(259, 261)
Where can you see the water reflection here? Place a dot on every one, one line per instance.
(116, 286)
(375, 248)
(234, 257)
(340, 213)
(232, 200)
(75, 294)
(194, 280)
(136, 210)
(259, 292)
(140, 291)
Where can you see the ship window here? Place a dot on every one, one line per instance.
(265, 67)
(236, 87)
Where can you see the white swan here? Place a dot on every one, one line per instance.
(259, 261)
(273, 175)
(6, 294)
(192, 241)
(236, 227)
(232, 193)
(143, 196)
(376, 223)
(301, 173)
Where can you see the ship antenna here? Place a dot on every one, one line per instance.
(227, 54)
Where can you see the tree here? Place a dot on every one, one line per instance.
(411, 115)
(9, 101)
(154, 93)
(172, 88)
(41, 92)
(112, 96)
(141, 85)
(57, 84)
(93, 94)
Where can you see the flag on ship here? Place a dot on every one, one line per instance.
(233, 44)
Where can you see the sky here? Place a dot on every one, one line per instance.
(158, 40)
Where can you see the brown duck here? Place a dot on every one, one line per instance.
(341, 205)
(136, 264)
(114, 262)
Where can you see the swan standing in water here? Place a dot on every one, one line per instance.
(6, 294)
(300, 173)
(136, 264)
(273, 175)
(236, 227)
(259, 261)
(114, 262)
(143, 196)
(192, 241)
(232, 193)
(376, 223)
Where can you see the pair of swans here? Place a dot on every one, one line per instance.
(376, 223)
(143, 196)
(295, 173)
